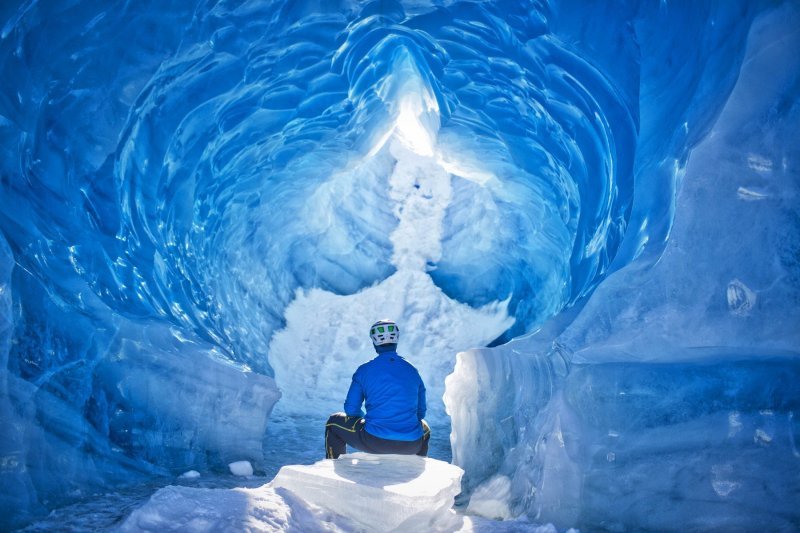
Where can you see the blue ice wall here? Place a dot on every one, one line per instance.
(160, 199)
(668, 401)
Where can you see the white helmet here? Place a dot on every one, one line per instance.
(384, 332)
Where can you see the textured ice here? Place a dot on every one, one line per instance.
(379, 492)
(604, 442)
(199, 197)
(357, 492)
(241, 468)
(670, 398)
(491, 499)
(209, 510)
(434, 325)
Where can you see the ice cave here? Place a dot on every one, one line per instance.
(585, 215)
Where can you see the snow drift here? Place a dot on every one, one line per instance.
(203, 205)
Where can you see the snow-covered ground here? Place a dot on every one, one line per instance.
(197, 197)
(357, 493)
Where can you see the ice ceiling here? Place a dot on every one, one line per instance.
(197, 199)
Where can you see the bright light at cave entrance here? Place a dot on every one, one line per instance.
(410, 128)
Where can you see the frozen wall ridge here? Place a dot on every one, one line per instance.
(676, 375)
(608, 434)
(215, 412)
(187, 185)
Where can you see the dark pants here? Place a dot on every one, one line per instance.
(342, 430)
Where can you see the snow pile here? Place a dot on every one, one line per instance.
(241, 468)
(379, 492)
(313, 365)
(491, 499)
(357, 492)
(236, 193)
(240, 509)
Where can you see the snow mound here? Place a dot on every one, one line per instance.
(230, 510)
(357, 492)
(241, 468)
(379, 492)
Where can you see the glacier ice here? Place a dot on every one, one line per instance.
(709, 443)
(357, 492)
(379, 492)
(670, 398)
(241, 468)
(204, 204)
(261, 509)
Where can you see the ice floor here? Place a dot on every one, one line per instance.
(202, 204)
(217, 500)
(301, 443)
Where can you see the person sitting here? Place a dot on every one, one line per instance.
(394, 396)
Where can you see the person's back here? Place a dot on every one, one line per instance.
(394, 395)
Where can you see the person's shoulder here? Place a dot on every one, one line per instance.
(366, 365)
(406, 361)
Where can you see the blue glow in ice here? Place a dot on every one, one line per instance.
(186, 188)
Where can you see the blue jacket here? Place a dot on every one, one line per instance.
(394, 394)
